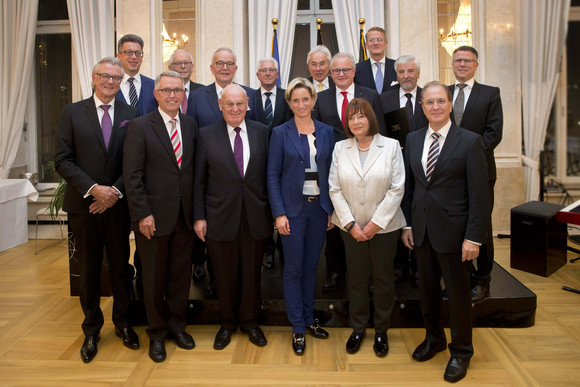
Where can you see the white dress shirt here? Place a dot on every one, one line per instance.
(374, 68)
(428, 140)
(466, 91)
(272, 97)
(125, 85)
(403, 98)
(339, 97)
(245, 141)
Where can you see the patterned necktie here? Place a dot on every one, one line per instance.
(132, 92)
(320, 86)
(459, 102)
(433, 155)
(176, 142)
(409, 106)
(106, 125)
(184, 102)
(268, 110)
(379, 78)
(239, 151)
(343, 109)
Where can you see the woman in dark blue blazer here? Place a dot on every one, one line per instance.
(298, 164)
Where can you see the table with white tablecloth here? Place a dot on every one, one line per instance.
(13, 211)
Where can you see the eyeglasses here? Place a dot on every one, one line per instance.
(167, 92)
(431, 102)
(345, 71)
(376, 40)
(105, 77)
(239, 105)
(264, 71)
(466, 61)
(181, 64)
(130, 53)
(220, 64)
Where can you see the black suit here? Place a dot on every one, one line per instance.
(364, 75)
(191, 86)
(442, 213)
(326, 110)
(83, 160)
(238, 218)
(157, 186)
(282, 112)
(483, 115)
(390, 101)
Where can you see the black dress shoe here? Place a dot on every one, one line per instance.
(298, 343)
(198, 273)
(332, 282)
(456, 369)
(354, 342)
(223, 338)
(89, 348)
(381, 345)
(183, 340)
(157, 350)
(427, 349)
(316, 331)
(130, 338)
(268, 261)
(257, 337)
(479, 293)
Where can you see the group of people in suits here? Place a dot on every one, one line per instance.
(185, 165)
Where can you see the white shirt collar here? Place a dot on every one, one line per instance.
(443, 131)
(469, 83)
(166, 117)
(403, 92)
(137, 78)
(242, 126)
(273, 91)
(98, 102)
(349, 90)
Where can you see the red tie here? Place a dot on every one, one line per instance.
(343, 109)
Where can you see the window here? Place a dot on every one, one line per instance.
(306, 31)
(454, 22)
(178, 29)
(561, 156)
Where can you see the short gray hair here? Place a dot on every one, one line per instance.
(224, 49)
(111, 60)
(319, 49)
(404, 59)
(343, 55)
(436, 84)
(262, 60)
(188, 53)
(172, 74)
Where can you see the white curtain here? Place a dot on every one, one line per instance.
(544, 25)
(17, 36)
(346, 15)
(92, 36)
(260, 15)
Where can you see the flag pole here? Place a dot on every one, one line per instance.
(275, 51)
(363, 48)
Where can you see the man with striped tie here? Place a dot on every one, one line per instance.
(158, 169)
(445, 204)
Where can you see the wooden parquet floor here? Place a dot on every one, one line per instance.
(40, 338)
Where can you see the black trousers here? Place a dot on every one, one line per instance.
(431, 266)
(485, 259)
(94, 234)
(334, 252)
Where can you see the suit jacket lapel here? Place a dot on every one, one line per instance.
(294, 136)
(92, 116)
(377, 148)
(185, 141)
(353, 156)
(451, 142)
(223, 138)
(470, 102)
(212, 99)
(160, 130)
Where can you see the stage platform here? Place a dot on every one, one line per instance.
(510, 304)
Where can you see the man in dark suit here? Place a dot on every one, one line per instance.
(377, 72)
(205, 100)
(406, 95)
(445, 205)
(270, 108)
(329, 109)
(181, 62)
(478, 110)
(232, 214)
(89, 156)
(136, 89)
(158, 170)
(318, 61)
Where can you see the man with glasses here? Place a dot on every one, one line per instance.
(136, 89)
(318, 61)
(270, 109)
(330, 109)
(89, 157)
(445, 205)
(377, 72)
(158, 169)
(205, 100)
(477, 107)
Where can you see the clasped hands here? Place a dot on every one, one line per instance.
(104, 197)
(365, 234)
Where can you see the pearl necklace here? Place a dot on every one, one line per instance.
(363, 149)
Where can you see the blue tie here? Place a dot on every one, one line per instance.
(268, 110)
(379, 78)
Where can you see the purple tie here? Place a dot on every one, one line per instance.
(239, 152)
(106, 125)
(409, 106)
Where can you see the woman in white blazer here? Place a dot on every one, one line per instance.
(366, 180)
